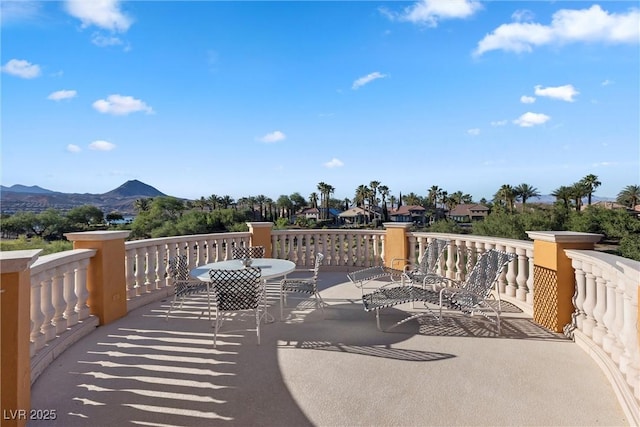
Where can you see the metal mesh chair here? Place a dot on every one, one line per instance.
(242, 252)
(184, 284)
(425, 271)
(237, 290)
(471, 296)
(306, 285)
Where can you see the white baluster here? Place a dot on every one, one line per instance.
(82, 291)
(590, 301)
(510, 277)
(580, 293)
(130, 267)
(450, 260)
(521, 278)
(38, 339)
(58, 303)
(530, 282)
(608, 341)
(460, 251)
(341, 247)
(598, 311)
(140, 267)
(367, 253)
(47, 308)
(629, 338)
(70, 296)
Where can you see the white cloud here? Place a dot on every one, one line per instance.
(497, 123)
(101, 40)
(527, 99)
(430, 12)
(21, 68)
(522, 15)
(333, 163)
(607, 82)
(564, 93)
(18, 11)
(604, 164)
(531, 119)
(72, 148)
(121, 105)
(473, 132)
(274, 136)
(105, 14)
(567, 26)
(367, 79)
(102, 146)
(62, 94)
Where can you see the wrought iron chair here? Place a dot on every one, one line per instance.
(242, 252)
(471, 296)
(184, 284)
(237, 290)
(306, 285)
(424, 272)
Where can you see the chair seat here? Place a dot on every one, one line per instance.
(299, 285)
(190, 288)
(389, 297)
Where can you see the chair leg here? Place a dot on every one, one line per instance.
(170, 308)
(319, 302)
(258, 323)
(282, 304)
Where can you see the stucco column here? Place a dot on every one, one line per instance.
(15, 326)
(554, 276)
(106, 277)
(396, 243)
(261, 235)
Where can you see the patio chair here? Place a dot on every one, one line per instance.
(306, 285)
(184, 284)
(471, 296)
(237, 290)
(424, 272)
(242, 252)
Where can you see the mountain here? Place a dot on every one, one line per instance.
(37, 199)
(34, 189)
(134, 188)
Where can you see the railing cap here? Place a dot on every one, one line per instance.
(564, 236)
(405, 225)
(97, 235)
(15, 261)
(260, 224)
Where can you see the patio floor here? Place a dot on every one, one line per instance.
(333, 371)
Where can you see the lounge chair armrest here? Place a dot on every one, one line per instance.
(398, 260)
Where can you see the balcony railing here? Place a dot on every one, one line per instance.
(605, 304)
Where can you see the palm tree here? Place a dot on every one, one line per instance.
(346, 202)
(284, 204)
(374, 188)
(412, 199)
(393, 201)
(525, 192)
(313, 200)
(226, 201)
(630, 196)
(384, 192)
(506, 195)
(200, 203)
(213, 201)
(578, 191)
(433, 196)
(563, 193)
(261, 200)
(362, 193)
(591, 183)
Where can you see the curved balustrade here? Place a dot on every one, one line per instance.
(59, 310)
(605, 320)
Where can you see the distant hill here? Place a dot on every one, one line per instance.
(134, 188)
(37, 199)
(34, 189)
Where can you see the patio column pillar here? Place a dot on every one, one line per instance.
(15, 326)
(396, 243)
(261, 235)
(554, 276)
(106, 277)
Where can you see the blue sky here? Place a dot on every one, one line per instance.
(247, 98)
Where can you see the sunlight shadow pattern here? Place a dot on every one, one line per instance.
(386, 352)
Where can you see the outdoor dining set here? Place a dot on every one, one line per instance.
(239, 285)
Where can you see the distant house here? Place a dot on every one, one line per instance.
(605, 205)
(316, 214)
(355, 215)
(469, 213)
(411, 213)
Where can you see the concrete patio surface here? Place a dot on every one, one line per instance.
(336, 370)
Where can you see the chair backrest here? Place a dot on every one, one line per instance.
(236, 289)
(179, 268)
(486, 271)
(317, 264)
(242, 252)
(430, 258)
